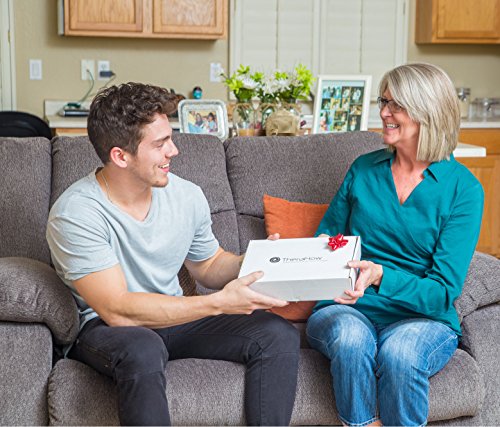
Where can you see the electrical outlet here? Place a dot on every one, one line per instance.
(102, 66)
(35, 69)
(87, 66)
(215, 71)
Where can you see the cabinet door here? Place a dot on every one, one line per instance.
(85, 17)
(457, 21)
(487, 171)
(468, 19)
(190, 18)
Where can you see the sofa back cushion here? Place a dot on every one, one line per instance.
(73, 157)
(201, 160)
(25, 166)
(301, 169)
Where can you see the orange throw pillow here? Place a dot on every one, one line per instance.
(292, 220)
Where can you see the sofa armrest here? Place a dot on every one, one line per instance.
(31, 292)
(481, 339)
(482, 285)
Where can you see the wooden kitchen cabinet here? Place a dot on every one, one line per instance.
(190, 17)
(458, 21)
(487, 171)
(186, 19)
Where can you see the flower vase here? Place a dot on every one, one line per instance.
(265, 110)
(244, 119)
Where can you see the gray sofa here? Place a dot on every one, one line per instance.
(38, 314)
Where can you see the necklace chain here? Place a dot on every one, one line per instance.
(106, 184)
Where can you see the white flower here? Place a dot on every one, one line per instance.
(249, 83)
(282, 84)
(268, 86)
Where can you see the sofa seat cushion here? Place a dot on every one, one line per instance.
(457, 390)
(210, 392)
(31, 291)
(200, 392)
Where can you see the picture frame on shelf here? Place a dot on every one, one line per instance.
(203, 117)
(342, 103)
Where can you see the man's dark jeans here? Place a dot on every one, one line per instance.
(136, 357)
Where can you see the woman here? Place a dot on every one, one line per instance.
(418, 212)
(199, 121)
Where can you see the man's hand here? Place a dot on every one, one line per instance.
(369, 274)
(238, 298)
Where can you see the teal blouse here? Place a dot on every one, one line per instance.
(425, 245)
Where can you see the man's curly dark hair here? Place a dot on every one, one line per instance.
(118, 115)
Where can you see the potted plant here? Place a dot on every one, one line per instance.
(280, 89)
(244, 88)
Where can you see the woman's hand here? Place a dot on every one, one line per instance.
(369, 274)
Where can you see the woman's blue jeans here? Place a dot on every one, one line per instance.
(389, 363)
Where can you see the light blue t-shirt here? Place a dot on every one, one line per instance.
(87, 233)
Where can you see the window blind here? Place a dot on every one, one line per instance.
(328, 36)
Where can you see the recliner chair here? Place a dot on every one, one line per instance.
(21, 124)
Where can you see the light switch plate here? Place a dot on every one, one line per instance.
(35, 69)
(215, 70)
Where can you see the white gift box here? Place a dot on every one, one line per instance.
(302, 269)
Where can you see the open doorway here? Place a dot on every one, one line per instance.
(7, 63)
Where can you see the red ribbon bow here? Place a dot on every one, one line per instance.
(337, 241)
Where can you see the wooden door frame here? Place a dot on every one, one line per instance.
(7, 59)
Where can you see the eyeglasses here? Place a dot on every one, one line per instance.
(394, 107)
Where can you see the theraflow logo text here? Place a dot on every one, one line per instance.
(297, 260)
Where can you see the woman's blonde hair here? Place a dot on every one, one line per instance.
(427, 94)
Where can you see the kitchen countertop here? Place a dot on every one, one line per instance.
(376, 123)
(469, 150)
(56, 121)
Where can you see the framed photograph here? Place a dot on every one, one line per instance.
(342, 103)
(203, 116)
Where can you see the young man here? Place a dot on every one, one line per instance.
(118, 238)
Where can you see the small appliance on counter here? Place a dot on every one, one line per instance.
(73, 109)
(485, 108)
